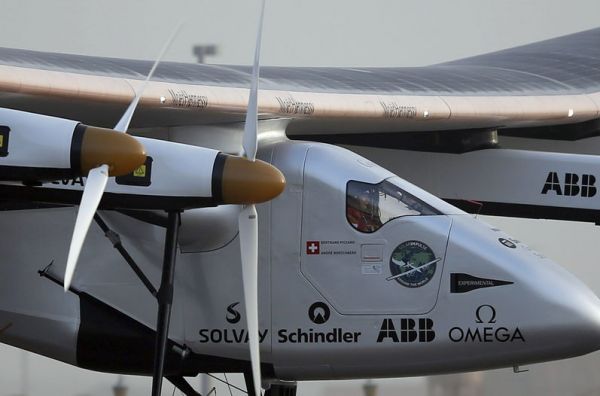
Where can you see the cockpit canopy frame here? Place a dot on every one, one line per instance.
(370, 206)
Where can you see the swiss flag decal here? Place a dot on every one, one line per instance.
(313, 247)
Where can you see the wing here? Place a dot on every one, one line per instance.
(438, 126)
(554, 82)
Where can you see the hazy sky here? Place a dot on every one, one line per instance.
(307, 32)
(303, 33)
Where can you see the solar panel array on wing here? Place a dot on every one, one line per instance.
(572, 61)
(569, 64)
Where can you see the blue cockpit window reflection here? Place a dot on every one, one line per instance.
(370, 206)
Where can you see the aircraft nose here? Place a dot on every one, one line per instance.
(588, 329)
(570, 310)
(519, 303)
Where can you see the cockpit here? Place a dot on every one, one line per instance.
(370, 206)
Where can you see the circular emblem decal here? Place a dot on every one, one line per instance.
(413, 264)
(319, 312)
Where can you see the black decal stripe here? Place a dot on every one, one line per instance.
(217, 177)
(76, 142)
(31, 174)
(454, 283)
(109, 200)
(110, 341)
(113, 342)
(463, 283)
(8, 205)
(528, 211)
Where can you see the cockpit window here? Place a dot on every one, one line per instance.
(370, 206)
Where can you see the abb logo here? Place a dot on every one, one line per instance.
(572, 185)
(411, 330)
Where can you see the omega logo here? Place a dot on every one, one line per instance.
(483, 309)
(486, 331)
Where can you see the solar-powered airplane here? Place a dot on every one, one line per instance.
(240, 247)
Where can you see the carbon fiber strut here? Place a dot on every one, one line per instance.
(115, 239)
(165, 301)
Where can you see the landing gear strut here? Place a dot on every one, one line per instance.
(165, 301)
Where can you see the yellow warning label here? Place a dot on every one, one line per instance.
(139, 172)
(1, 141)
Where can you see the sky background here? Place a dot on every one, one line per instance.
(301, 33)
(310, 33)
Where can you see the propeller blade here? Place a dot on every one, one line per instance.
(249, 142)
(248, 220)
(98, 177)
(248, 224)
(92, 194)
(123, 124)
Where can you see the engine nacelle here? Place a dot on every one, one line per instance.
(35, 148)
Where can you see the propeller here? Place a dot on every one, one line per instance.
(248, 220)
(123, 123)
(98, 176)
(92, 194)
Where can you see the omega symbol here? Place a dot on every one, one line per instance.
(485, 311)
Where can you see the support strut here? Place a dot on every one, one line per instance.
(165, 301)
(115, 239)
